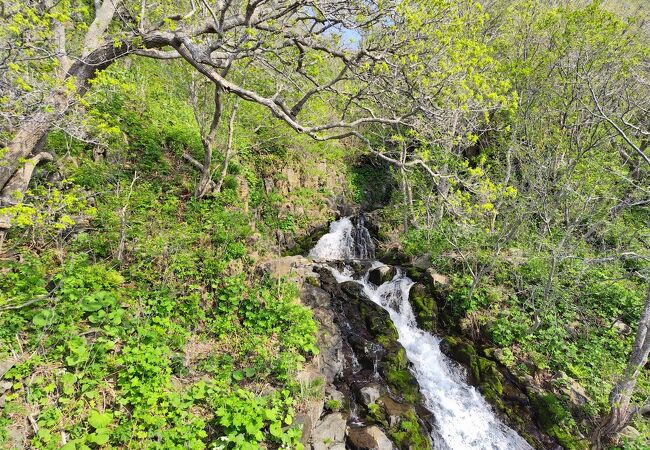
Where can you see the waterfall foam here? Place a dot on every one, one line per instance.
(464, 420)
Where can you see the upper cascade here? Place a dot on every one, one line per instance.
(345, 241)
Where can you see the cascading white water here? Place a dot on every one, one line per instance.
(464, 420)
(345, 241)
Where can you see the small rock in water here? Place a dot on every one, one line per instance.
(381, 275)
(368, 438)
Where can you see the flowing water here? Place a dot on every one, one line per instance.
(464, 420)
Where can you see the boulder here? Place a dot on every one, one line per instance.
(368, 438)
(352, 290)
(381, 275)
(360, 267)
(573, 390)
(330, 359)
(304, 421)
(370, 394)
(631, 433)
(622, 328)
(483, 372)
(422, 262)
(329, 432)
(393, 411)
(437, 280)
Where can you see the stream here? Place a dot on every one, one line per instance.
(463, 418)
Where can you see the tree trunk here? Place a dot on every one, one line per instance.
(620, 398)
(22, 144)
(227, 156)
(17, 185)
(203, 188)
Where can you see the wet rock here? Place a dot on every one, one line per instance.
(483, 372)
(381, 275)
(360, 267)
(393, 256)
(368, 438)
(424, 307)
(351, 289)
(394, 411)
(305, 243)
(370, 394)
(462, 352)
(329, 432)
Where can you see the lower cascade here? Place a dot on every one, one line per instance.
(463, 418)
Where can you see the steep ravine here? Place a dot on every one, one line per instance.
(387, 383)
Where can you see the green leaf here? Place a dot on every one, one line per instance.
(238, 375)
(99, 420)
(99, 438)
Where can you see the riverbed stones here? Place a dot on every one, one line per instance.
(368, 438)
(329, 432)
(380, 275)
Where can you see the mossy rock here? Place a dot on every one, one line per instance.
(410, 434)
(424, 307)
(556, 421)
(464, 353)
(378, 322)
(490, 377)
(394, 367)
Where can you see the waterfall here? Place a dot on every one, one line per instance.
(345, 241)
(464, 420)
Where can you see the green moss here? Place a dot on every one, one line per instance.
(410, 434)
(556, 421)
(490, 376)
(398, 376)
(424, 308)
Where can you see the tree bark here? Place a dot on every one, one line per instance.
(205, 183)
(227, 156)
